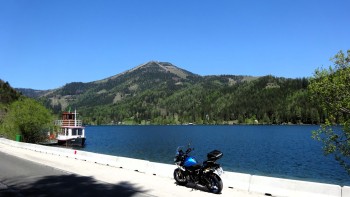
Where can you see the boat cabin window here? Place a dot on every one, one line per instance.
(68, 116)
(64, 131)
(77, 131)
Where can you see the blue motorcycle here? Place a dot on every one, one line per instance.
(206, 174)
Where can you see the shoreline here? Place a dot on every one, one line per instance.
(194, 124)
(244, 184)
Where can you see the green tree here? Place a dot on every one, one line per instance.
(298, 114)
(315, 116)
(28, 118)
(266, 119)
(331, 89)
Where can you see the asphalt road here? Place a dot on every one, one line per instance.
(19, 177)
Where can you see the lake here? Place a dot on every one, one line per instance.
(277, 151)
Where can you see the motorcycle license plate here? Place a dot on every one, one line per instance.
(219, 171)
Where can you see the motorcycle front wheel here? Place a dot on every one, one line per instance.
(179, 177)
(214, 184)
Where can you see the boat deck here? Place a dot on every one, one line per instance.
(49, 142)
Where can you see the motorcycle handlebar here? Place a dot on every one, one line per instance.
(189, 150)
(180, 151)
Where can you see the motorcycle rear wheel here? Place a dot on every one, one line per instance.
(214, 184)
(179, 177)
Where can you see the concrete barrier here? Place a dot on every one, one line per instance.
(133, 164)
(240, 181)
(345, 191)
(236, 180)
(287, 187)
(49, 150)
(161, 169)
(95, 157)
(54, 151)
(9, 142)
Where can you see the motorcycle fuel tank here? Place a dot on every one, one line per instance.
(190, 161)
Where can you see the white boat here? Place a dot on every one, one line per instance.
(71, 131)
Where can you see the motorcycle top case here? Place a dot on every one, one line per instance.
(214, 155)
(190, 161)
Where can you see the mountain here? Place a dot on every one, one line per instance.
(7, 95)
(150, 76)
(162, 93)
(32, 93)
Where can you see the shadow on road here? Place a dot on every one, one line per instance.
(71, 185)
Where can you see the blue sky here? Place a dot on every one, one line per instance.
(45, 44)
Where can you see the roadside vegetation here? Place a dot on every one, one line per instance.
(331, 89)
(22, 116)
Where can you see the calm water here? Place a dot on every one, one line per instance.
(279, 151)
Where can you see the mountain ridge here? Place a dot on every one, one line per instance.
(162, 93)
(165, 66)
(169, 67)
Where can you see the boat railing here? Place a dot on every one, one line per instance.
(72, 123)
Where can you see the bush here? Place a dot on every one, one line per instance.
(28, 118)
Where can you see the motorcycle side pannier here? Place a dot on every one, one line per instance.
(214, 155)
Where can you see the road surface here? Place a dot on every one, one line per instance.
(20, 177)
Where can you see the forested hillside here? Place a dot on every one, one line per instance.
(161, 93)
(7, 95)
(267, 100)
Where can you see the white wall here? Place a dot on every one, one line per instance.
(287, 187)
(345, 191)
